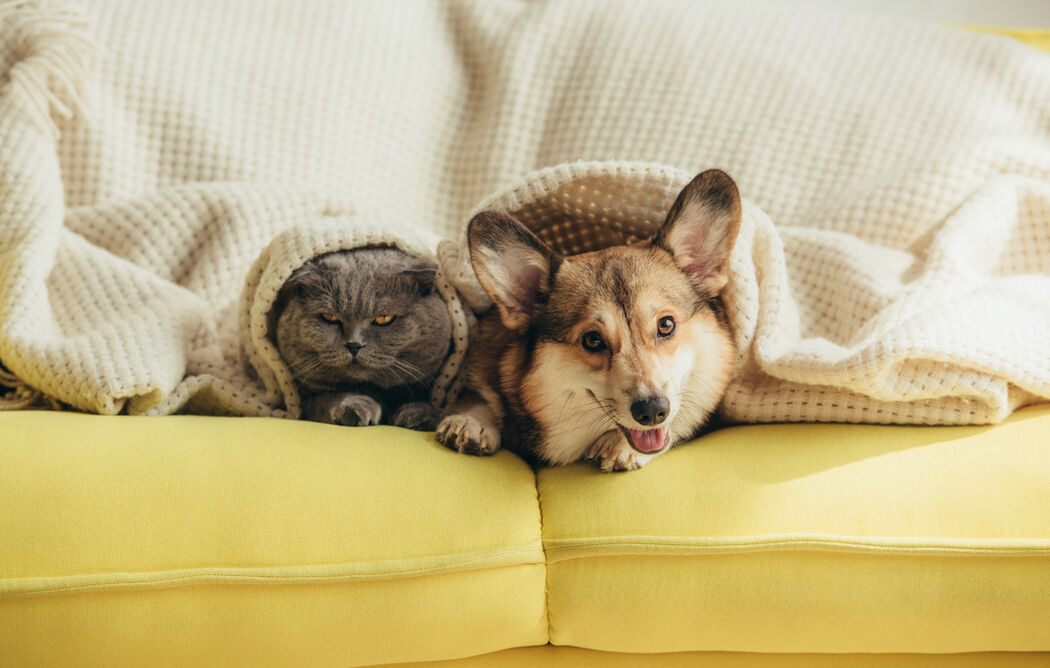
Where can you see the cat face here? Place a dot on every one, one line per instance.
(364, 316)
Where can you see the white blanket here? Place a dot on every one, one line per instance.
(894, 264)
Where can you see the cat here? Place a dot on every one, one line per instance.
(364, 333)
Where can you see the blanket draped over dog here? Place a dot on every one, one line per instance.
(894, 259)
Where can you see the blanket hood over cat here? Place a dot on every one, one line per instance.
(894, 266)
(298, 245)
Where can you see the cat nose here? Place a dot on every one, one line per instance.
(650, 411)
(354, 346)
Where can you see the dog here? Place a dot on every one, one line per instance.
(614, 355)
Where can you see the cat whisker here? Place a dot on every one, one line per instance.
(411, 370)
(400, 377)
(407, 374)
(305, 367)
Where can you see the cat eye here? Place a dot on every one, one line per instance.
(384, 320)
(592, 341)
(330, 317)
(665, 327)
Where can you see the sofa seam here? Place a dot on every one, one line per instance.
(644, 545)
(546, 562)
(23, 586)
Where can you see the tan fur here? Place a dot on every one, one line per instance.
(565, 386)
(555, 401)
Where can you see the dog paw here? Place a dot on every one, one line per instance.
(418, 415)
(468, 434)
(612, 452)
(356, 410)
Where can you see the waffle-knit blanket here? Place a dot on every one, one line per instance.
(893, 266)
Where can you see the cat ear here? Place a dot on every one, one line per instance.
(421, 273)
(306, 282)
(701, 228)
(423, 279)
(512, 264)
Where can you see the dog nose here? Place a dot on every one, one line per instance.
(354, 346)
(650, 411)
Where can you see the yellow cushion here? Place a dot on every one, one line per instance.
(571, 657)
(148, 541)
(266, 542)
(1038, 38)
(809, 538)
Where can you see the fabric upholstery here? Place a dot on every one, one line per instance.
(809, 538)
(260, 541)
(574, 657)
(158, 541)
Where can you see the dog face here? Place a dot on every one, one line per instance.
(626, 330)
(628, 339)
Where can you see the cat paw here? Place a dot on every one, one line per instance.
(612, 452)
(418, 415)
(468, 434)
(357, 410)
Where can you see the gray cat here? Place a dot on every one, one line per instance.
(364, 334)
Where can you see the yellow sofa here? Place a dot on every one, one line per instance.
(197, 541)
(191, 540)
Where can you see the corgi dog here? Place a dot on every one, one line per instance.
(614, 355)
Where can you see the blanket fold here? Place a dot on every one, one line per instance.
(894, 263)
(829, 327)
(296, 246)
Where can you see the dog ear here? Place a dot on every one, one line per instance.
(701, 228)
(512, 264)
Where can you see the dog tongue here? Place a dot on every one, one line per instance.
(649, 440)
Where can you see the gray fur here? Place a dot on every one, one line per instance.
(389, 379)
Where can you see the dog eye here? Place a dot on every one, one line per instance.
(666, 326)
(593, 341)
(384, 320)
(330, 317)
